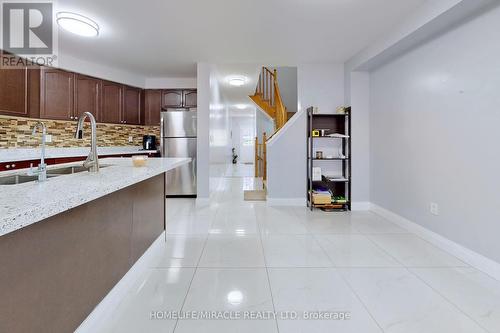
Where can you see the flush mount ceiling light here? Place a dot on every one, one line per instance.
(241, 106)
(237, 81)
(77, 24)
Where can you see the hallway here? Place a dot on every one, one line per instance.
(253, 260)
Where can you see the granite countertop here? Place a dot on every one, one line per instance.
(25, 204)
(23, 154)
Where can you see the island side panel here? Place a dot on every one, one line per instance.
(54, 272)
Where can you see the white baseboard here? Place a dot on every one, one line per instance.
(299, 202)
(106, 307)
(360, 206)
(472, 258)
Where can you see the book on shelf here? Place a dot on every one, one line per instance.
(335, 178)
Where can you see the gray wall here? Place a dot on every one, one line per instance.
(287, 81)
(435, 114)
(263, 124)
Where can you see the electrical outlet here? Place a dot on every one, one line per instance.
(48, 138)
(434, 208)
(130, 139)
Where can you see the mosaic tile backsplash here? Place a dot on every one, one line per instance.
(15, 132)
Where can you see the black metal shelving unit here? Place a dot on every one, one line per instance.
(337, 123)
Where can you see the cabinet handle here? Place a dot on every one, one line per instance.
(7, 166)
(13, 165)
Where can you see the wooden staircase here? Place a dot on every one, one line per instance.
(268, 98)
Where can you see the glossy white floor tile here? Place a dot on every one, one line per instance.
(318, 290)
(182, 251)
(355, 251)
(273, 220)
(216, 289)
(232, 251)
(402, 303)
(472, 291)
(413, 251)
(293, 251)
(371, 223)
(232, 255)
(159, 290)
(189, 225)
(229, 326)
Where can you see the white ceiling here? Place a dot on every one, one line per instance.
(158, 38)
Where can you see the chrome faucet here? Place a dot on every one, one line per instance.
(42, 167)
(92, 161)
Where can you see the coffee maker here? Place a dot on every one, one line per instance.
(149, 142)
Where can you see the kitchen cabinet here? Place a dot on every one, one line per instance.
(87, 99)
(171, 99)
(132, 106)
(112, 103)
(56, 94)
(14, 90)
(179, 98)
(152, 107)
(190, 98)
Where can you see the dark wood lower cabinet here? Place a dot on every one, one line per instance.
(54, 272)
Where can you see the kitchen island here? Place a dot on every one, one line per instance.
(66, 242)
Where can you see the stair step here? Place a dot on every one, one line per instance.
(255, 195)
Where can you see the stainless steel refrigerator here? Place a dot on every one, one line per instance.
(178, 139)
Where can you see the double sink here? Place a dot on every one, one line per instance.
(16, 179)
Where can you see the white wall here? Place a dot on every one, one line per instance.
(321, 86)
(71, 63)
(434, 134)
(360, 123)
(242, 130)
(318, 85)
(170, 83)
(219, 133)
(203, 147)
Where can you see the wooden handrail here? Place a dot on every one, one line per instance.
(267, 93)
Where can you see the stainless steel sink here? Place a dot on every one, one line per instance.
(18, 179)
(70, 170)
(51, 173)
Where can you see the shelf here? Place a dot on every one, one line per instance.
(332, 181)
(330, 159)
(330, 115)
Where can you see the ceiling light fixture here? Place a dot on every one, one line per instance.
(237, 81)
(241, 106)
(77, 24)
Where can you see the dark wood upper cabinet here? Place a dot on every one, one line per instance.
(132, 106)
(190, 98)
(172, 99)
(112, 103)
(152, 107)
(56, 94)
(87, 99)
(14, 91)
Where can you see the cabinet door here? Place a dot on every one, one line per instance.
(14, 91)
(152, 107)
(190, 98)
(132, 107)
(86, 96)
(112, 103)
(171, 99)
(56, 98)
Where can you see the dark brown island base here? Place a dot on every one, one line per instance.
(54, 272)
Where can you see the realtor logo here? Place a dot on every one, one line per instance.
(28, 35)
(27, 28)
